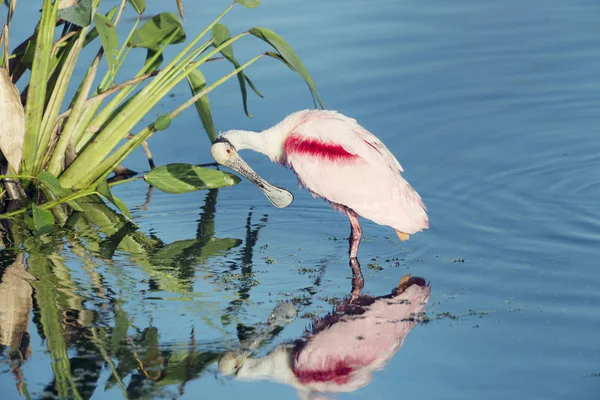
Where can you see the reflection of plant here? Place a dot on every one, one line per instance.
(55, 157)
(16, 301)
(89, 333)
(87, 327)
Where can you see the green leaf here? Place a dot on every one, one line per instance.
(37, 91)
(109, 39)
(248, 3)
(79, 14)
(104, 191)
(155, 65)
(197, 83)
(183, 178)
(162, 122)
(157, 31)
(27, 58)
(54, 186)
(93, 33)
(51, 182)
(43, 220)
(220, 35)
(139, 5)
(288, 56)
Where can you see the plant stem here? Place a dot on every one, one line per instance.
(36, 97)
(16, 177)
(72, 196)
(105, 168)
(55, 164)
(78, 174)
(135, 178)
(82, 137)
(106, 93)
(56, 99)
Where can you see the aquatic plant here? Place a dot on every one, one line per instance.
(54, 150)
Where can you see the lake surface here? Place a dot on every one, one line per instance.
(492, 109)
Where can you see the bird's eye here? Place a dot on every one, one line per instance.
(228, 151)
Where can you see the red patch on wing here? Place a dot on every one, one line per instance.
(339, 373)
(298, 144)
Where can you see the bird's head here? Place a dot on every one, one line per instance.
(231, 362)
(225, 153)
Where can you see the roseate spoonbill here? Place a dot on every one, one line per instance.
(336, 159)
(342, 350)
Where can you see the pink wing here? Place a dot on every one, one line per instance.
(343, 356)
(337, 159)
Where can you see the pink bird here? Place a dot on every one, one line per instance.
(342, 350)
(335, 159)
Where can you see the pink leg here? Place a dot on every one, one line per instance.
(357, 278)
(355, 233)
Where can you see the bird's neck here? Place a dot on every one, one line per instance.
(276, 366)
(268, 142)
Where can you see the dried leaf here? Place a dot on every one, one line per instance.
(180, 8)
(12, 115)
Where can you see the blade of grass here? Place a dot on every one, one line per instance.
(83, 120)
(197, 83)
(128, 117)
(105, 168)
(57, 159)
(108, 110)
(56, 100)
(220, 35)
(292, 60)
(109, 40)
(34, 108)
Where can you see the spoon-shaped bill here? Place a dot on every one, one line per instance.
(279, 197)
(225, 154)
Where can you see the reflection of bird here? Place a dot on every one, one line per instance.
(343, 349)
(338, 160)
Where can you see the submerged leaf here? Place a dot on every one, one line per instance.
(183, 178)
(104, 191)
(289, 56)
(197, 83)
(109, 39)
(12, 125)
(157, 31)
(43, 220)
(79, 14)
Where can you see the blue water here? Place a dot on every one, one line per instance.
(492, 109)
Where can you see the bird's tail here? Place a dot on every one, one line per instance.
(403, 236)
